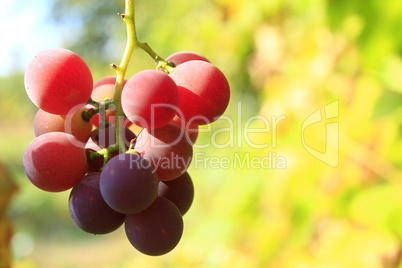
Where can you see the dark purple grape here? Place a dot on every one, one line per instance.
(156, 230)
(89, 211)
(179, 191)
(128, 183)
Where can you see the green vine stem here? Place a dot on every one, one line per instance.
(93, 103)
(99, 108)
(132, 43)
(161, 63)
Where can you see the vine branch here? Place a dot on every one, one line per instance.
(132, 43)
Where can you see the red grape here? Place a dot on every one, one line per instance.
(57, 79)
(103, 92)
(179, 191)
(157, 230)
(204, 91)
(190, 129)
(128, 183)
(110, 116)
(104, 88)
(55, 161)
(150, 99)
(168, 150)
(107, 80)
(89, 211)
(184, 56)
(74, 124)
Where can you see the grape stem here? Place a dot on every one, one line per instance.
(129, 19)
(99, 107)
(161, 63)
(93, 103)
(132, 43)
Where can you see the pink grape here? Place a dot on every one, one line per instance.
(167, 149)
(74, 124)
(204, 92)
(57, 80)
(107, 80)
(150, 99)
(103, 89)
(184, 56)
(102, 93)
(110, 116)
(190, 129)
(55, 161)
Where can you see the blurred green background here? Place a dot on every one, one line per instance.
(262, 199)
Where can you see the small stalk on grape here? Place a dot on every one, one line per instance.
(131, 149)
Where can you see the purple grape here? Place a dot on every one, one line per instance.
(179, 191)
(156, 230)
(128, 183)
(89, 211)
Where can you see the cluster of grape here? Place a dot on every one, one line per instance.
(146, 186)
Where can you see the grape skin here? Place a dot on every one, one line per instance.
(74, 124)
(179, 191)
(150, 99)
(128, 183)
(95, 164)
(154, 196)
(156, 230)
(57, 80)
(89, 211)
(167, 149)
(107, 80)
(55, 161)
(184, 56)
(110, 116)
(190, 129)
(104, 88)
(103, 92)
(102, 138)
(106, 136)
(204, 92)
